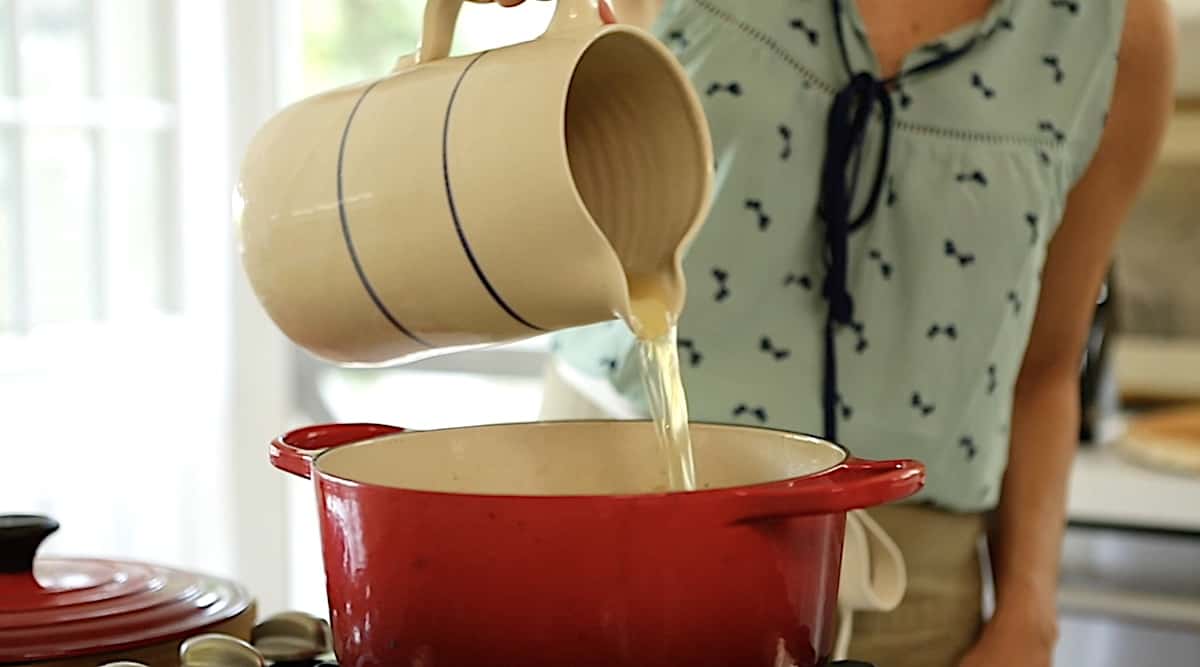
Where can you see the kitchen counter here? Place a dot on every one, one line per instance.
(1108, 491)
(1129, 591)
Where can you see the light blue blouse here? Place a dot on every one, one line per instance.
(944, 276)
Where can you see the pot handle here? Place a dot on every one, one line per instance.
(855, 484)
(437, 30)
(294, 451)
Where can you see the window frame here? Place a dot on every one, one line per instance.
(97, 115)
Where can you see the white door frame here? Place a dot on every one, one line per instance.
(236, 85)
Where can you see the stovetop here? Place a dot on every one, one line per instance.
(290, 639)
(332, 663)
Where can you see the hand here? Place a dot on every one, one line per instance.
(1013, 640)
(606, 12)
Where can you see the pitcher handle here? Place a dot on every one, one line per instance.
(437, 30)
(295, 451)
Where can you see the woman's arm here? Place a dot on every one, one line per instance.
(1028, 530)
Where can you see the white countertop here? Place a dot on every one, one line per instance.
(1187, 19)
(1109, 490)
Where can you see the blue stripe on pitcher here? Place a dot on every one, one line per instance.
(462, 237)
(341, 201)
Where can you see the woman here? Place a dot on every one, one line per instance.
(920, 287)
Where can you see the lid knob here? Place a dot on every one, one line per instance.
(20, 537)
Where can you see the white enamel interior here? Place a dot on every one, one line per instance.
(573, 458)
(637, 149)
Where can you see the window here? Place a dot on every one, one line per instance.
(88, 259)
(114, 360)
(352, 40)
(87, 131)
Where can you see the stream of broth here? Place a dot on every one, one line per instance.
(656, 331)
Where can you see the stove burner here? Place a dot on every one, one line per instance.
(290, 639)
(333, 664)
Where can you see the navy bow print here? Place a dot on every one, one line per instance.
(733, 88)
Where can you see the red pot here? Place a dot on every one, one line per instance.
(83, 612)
(544, 545)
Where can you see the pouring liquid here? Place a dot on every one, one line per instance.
(656, 331)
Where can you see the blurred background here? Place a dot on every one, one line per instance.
(140, 383)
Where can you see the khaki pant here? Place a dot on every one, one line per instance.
(941, 613)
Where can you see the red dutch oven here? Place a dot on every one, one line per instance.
(83, 612)
(550, 545)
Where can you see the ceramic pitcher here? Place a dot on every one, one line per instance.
(477, 199)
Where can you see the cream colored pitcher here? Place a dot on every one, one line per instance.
(478, 199)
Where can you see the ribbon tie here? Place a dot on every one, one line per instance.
(846, 130)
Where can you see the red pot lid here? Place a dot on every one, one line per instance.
(62, 608)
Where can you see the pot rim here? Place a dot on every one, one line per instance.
(745, 489)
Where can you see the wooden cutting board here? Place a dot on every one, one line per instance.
(1168, 439)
